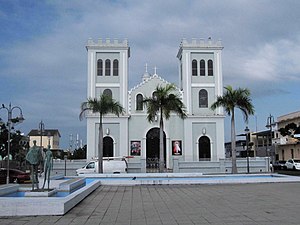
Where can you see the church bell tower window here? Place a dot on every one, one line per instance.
(107, 92)
(107, 67)
(202, 67)
(115, 67)
(203, 98)
(194, 68)
(210, 68)
(99, 67)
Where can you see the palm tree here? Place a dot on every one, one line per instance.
(163, 102)
(104, 105)
(239, 98)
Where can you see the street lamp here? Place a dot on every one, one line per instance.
(10, 121)
(270, 125)
(49, 138)
(41, 132)
(247, 148)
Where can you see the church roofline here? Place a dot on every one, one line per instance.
(199, 44)
(151, 78)
(108, 44)
(146, 81)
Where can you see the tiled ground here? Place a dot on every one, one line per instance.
(237, 204)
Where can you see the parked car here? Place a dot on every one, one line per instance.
(113, 165)
(15, 175)
(293, 164)
(279, 165)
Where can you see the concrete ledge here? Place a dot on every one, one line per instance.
(77, 196)
(189, 178)
(34, 206)
(40, 193)
(131, 175)
(72, 184)
(8, 188)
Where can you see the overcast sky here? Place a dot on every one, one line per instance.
(43, 60)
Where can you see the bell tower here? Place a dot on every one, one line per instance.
(200, 74)
(108, 69)
(108, 73)
(200, 79)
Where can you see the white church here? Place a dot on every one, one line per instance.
(199, 137)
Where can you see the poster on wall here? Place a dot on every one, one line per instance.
(135, 148)
(176, 147)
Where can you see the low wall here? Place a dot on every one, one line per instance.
(136, 165)
(256, 165)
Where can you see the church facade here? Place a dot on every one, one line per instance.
(199, 137)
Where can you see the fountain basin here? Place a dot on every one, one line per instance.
(34, 206)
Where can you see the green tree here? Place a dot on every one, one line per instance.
(291, 130)
(15, 145)
(239, 98)
(103, 106)
(79, 153)
(163, 102)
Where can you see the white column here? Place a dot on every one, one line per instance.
(168, 152)
(143, 148)
(187, 152)
(92, 75)
(188, 82)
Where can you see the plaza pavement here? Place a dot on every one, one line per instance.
(230, 204)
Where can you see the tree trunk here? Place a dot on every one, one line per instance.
(100, 147)
(161, 144)
(233, 146)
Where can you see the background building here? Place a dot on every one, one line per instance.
(288, 147)
(48, 136)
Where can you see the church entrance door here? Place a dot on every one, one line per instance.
(204, 148)
(108, 147)
(152, 150)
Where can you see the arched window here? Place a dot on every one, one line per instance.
(154, 95)
(194, 67)
(203, 98)
(107, 92)
(99, 67)
(107, 67)
(116, 67)
(210, 68)
(139, 102)
(202, 67)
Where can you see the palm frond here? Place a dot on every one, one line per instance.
(166, 101)
(104, 105)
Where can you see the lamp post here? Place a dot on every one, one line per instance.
(41, 132)
(270, 125)
(11, 121)
(247, 148)
(49, 138)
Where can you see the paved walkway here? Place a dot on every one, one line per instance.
(236, 204)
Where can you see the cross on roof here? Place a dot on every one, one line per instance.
(155, 69)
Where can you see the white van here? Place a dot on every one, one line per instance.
(112, 165)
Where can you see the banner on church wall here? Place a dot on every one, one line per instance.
(135, 148)
(176, 147)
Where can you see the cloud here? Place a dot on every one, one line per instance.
(273, 61)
